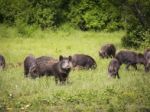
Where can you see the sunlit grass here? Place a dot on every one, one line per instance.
(87, 91)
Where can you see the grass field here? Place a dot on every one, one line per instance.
(88, 91)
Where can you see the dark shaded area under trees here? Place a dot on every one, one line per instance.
(97, 15)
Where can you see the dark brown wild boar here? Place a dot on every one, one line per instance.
(83, 61)
(59, 69)
(29, 66)
(2, 62)
(107, 51)
(130, 58)
(113, 68)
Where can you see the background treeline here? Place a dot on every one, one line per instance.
(97, 15)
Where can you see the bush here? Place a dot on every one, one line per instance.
(146, 37)
(24, 29)
(95, 15)
(86, 15)
(134, 37)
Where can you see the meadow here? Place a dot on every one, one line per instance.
(88, 91)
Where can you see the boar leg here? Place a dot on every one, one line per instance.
(127, 67)
(56, 79)
(134, 65)
(61, 79)
(118, 75)
(113, 55)
(26, 73)
(147, 68)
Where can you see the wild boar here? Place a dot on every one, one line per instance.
(107, 51)
(113, 68)
(2, 62)
(130, 58)
(29, 66)
(59, 69)
(83, 61)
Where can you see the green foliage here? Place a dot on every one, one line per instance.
(86, 15)
(96, 15)
(137, 38)
(24, 29)
(146, 37)
(136, 14)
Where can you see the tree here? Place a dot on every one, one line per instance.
(137, 16)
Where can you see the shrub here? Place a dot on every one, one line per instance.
(95, 15)
(86, 15)
(24, 29)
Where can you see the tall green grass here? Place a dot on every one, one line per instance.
(88, 91)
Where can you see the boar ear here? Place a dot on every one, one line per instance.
(70, 58)
(60, 57)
